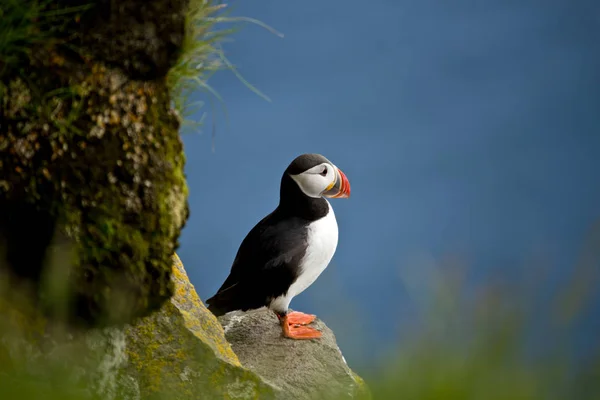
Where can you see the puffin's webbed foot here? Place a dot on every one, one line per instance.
(294, 326)
(298, 318)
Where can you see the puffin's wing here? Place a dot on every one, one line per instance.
(265, 266)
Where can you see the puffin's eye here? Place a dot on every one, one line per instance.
(324, 172)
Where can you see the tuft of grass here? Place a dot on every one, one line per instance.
(21, 32)
(18, 31)
(202, 55)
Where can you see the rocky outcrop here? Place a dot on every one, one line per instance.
(182, 350)
(298, 369)
(179, 352)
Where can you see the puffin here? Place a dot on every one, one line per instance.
(289, 248)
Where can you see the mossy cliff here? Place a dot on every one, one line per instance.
(91, 158)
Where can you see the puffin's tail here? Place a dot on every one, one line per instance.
(228, 299)
(214, 308)
(223, 301)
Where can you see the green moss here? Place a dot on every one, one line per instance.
(100, 158)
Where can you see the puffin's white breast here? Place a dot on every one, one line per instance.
(322, 241)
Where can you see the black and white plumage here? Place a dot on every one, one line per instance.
(289, 248)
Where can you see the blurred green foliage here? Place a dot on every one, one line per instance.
(513, 339)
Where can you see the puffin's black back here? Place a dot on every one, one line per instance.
(268, 260)
(265, 265)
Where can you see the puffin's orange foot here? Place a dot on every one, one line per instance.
(295, 331)
(298, 318)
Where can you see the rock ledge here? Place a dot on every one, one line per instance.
(297, 369)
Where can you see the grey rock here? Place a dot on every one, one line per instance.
(298, 369)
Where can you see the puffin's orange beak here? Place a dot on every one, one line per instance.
(340, 188)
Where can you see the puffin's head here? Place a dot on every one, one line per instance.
(316, 176)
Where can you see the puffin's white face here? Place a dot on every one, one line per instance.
(324, 179)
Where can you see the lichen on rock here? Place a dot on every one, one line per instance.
(198, 319)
